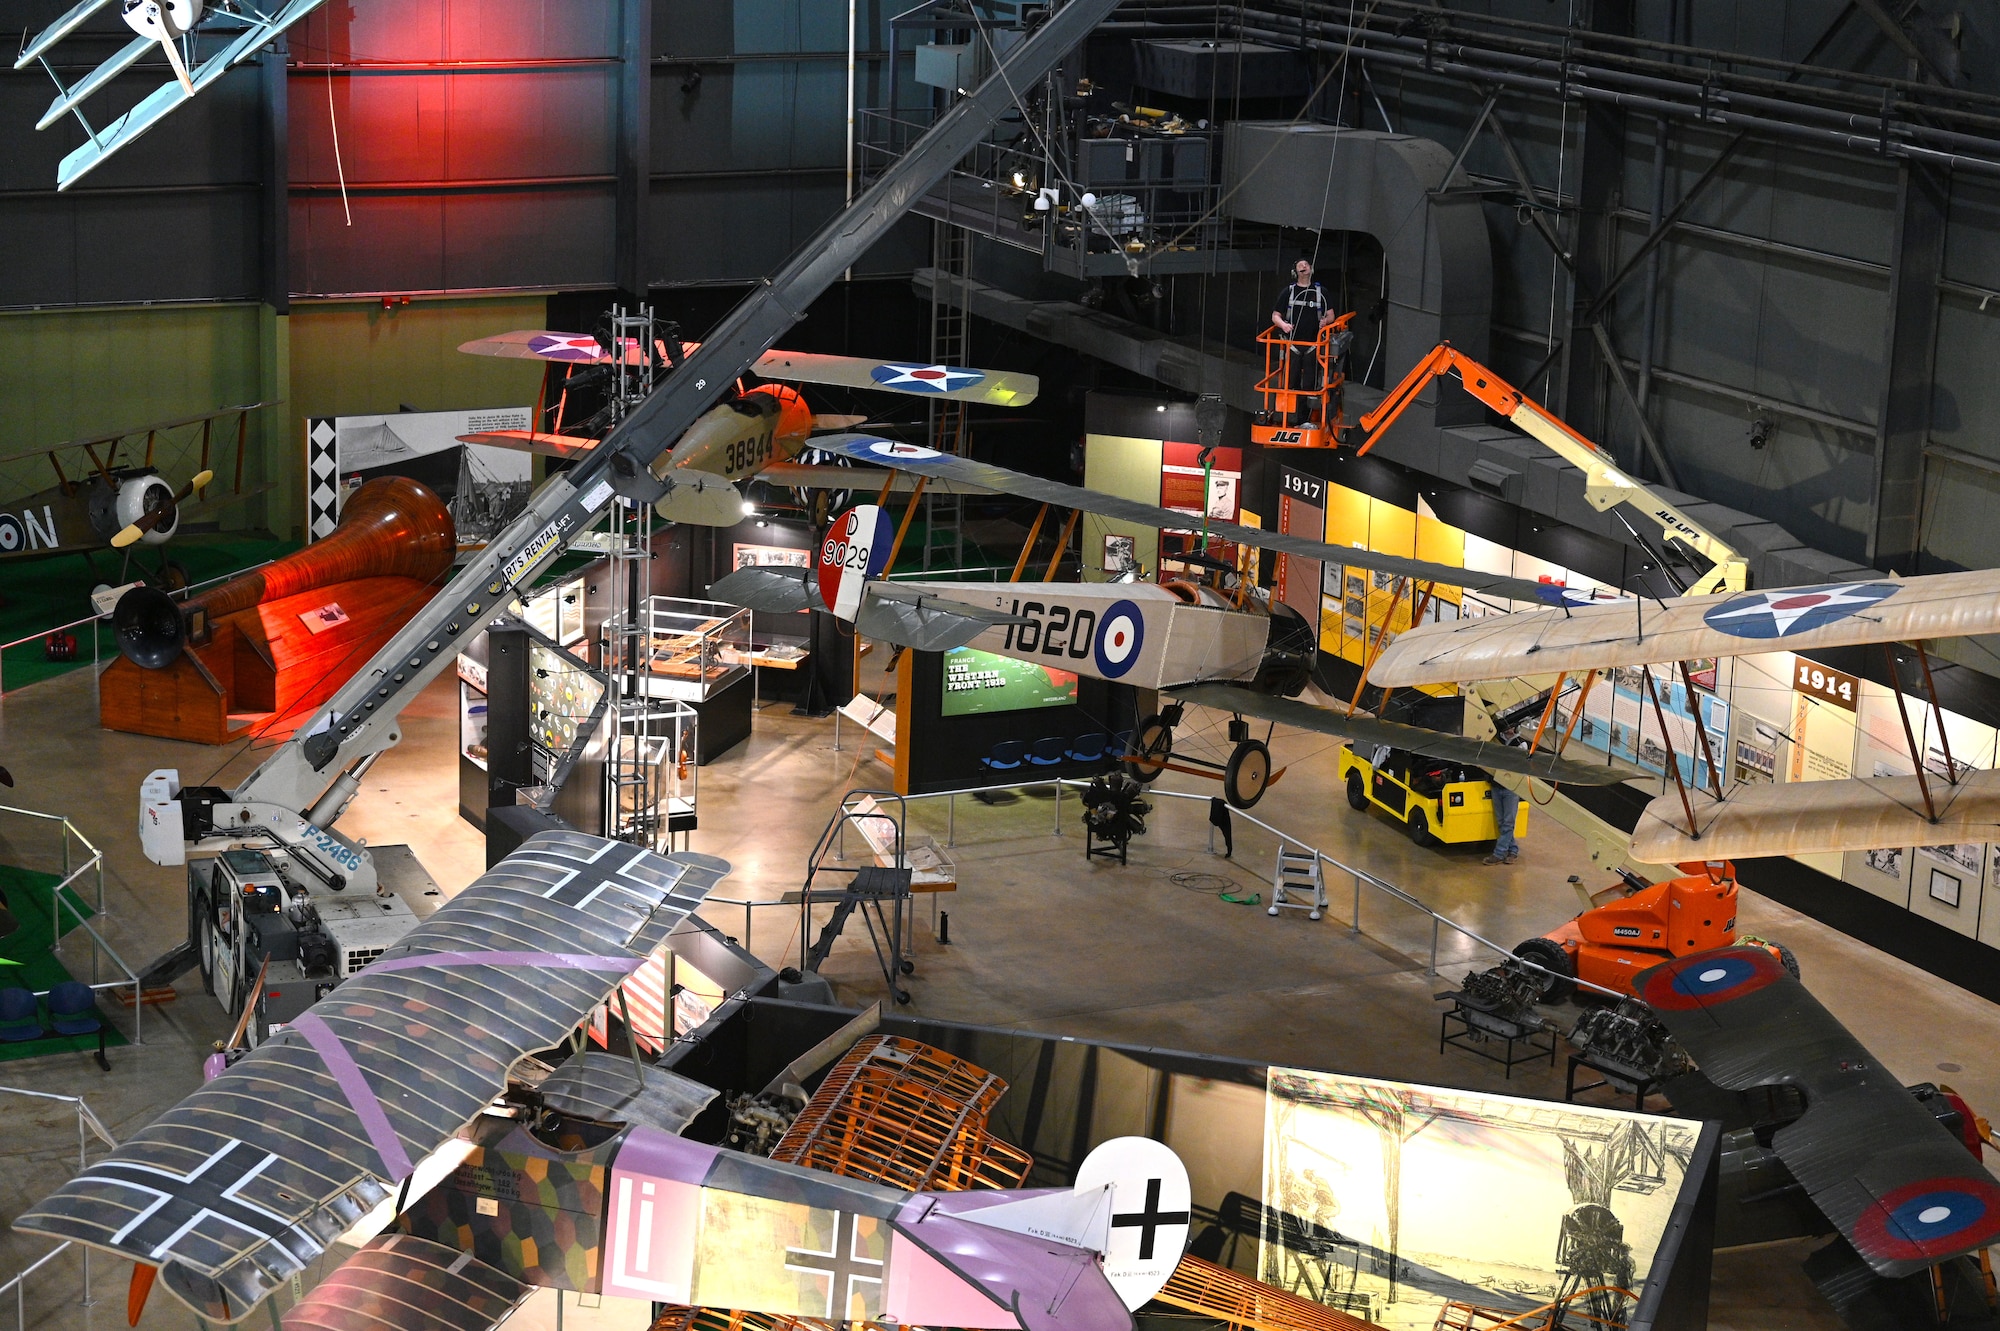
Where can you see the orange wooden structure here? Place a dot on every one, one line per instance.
(1563, 1313)
(1243, 1304)
(263, 650)
(902, 1113)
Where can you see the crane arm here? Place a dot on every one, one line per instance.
(1605, 484)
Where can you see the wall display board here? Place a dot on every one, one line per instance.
(1301, 512)
(976, 682)
(1403, 1174)
(483, 487)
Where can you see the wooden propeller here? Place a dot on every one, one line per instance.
(150, 520)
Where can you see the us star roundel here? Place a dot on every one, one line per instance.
(576, 347)
(1780, 614)
(924, 378)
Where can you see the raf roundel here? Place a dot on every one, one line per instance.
(1710, 977)
(11, 537)
(1794, 610)
(1928, 1219)
(924, 378)
(889, 450)
(1119, 638)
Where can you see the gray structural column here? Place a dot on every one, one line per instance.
(1581, 390)
(1918, 262)
(635, 149)
(274, 282)
(1437, 260)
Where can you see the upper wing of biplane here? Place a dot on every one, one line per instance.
(1462, 749)
(1641, 631)
(929, 462)
(998, 388)
(248, 1179)
(1795, 818)
(1901, 1190)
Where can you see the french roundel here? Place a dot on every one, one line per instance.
(1119, 637)
(1929, 1219)
(11, 537)
(854, 549)
(1781, 614)
(1710, 977)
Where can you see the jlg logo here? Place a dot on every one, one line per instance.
(1288, 437)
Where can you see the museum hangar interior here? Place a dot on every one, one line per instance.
(1437, 551)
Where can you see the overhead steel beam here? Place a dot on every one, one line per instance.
(1910, 361)
(633, 203)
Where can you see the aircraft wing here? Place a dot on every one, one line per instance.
(1797, 817)
(921, 619)
(807, 476)
(998, 388)
(929, 462)
(1490, 754)
(400, 1282)
(564, 446)
(250, 1178)
(1899, 1187)
(549, 345)
(1642, 631)
(770, 591)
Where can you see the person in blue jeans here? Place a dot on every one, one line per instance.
(1505, 806)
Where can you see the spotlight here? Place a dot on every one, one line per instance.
(1020, 180)
(1088, 201)
(762, 523)
(749, 509)
(1161, 407)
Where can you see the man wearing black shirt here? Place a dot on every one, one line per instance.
(1298, 313)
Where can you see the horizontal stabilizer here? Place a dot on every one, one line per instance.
(1491, 754)
(1793, 818)
(701, 499)
(769, 591)
(924, 620)
(923, 461)
(1876, 1163)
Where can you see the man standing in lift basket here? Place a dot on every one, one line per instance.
(1297, 313)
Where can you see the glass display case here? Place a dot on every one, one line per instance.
(472, 737)
(652, 775)
(556, 612)
(688, 650)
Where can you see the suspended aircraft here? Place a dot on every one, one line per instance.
(757, 433)
(1229, 650)
(397, 1095)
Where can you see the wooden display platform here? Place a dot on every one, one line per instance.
(262, 669)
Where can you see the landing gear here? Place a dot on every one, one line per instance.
(1248, 774)
(1152, 745)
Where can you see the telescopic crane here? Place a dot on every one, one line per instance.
(294, 798)
(1605, 485)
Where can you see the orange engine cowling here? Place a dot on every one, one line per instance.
(391, 526)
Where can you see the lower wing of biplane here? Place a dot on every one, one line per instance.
(1797, 818)
(996, 388)
(1642, 631)
(1901, 1190)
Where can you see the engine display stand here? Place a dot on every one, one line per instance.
(1528, 1046)
(1642, 1086)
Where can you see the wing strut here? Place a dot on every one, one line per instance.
(1673, 763)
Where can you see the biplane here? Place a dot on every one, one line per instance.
(1217, 647)
(757, 433)
(115, 491)
(200, 44)
(397, 1095)
(1815, 1113)
(1858, 813)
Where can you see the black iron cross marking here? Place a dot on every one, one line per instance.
(1149, 1220)
(842, 1266)
(180, 1202)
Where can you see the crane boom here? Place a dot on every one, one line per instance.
(1605, 484)
(316, 772)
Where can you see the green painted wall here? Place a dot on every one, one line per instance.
(1129, 468)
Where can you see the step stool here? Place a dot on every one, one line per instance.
(1298, 873)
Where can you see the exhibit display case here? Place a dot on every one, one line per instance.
(694, 652)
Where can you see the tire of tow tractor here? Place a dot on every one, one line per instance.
(1357, 794)
(1248, 774)
(1420, 829)
(1553, 956)
(1787, 960)
(1154, 739)
(202, 946)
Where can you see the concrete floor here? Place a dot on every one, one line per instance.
(1040, 939)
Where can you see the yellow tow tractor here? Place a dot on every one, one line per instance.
(1438, 802)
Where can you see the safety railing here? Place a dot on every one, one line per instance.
(89, 868)
(97, 624)
(88, 1125)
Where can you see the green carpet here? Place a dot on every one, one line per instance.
(36, 594)
(28, 898)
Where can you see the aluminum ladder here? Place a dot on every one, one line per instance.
(1298, 873)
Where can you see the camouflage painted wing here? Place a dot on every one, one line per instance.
(248, 1179)
(984, 475)
(403, 1283)
(1901, 1190)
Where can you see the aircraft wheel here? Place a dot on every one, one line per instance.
(172, 577)
(1552, 956)
(1787, 960)
(1420, 829)
(1357, 794)
(1154, 741)
(1248, 774)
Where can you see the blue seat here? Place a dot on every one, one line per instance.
(20, 1015)
(1088, 748)
(1050, 751)
(1120, 745)
(73, 1011)
(1007, 756)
